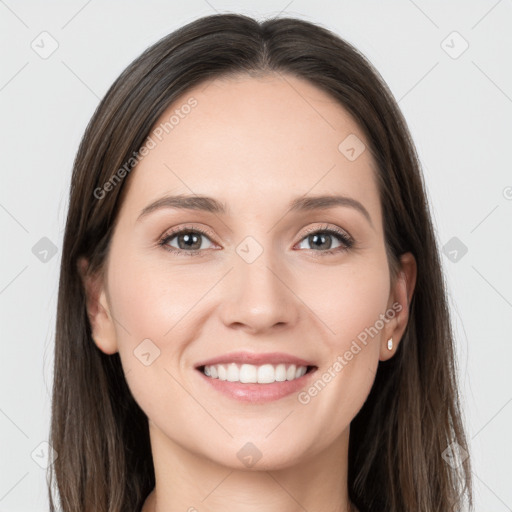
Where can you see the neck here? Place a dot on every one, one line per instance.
(189, 482)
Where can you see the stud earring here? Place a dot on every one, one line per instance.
(390, 344)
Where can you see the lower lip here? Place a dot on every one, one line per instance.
(258, 393)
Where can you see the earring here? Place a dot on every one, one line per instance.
(390, 344)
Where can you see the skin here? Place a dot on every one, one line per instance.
(255, 144)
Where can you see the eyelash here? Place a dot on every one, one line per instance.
(342, 237)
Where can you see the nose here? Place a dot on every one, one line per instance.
(259, 296)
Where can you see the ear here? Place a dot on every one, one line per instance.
(98, 309)
(400, 297)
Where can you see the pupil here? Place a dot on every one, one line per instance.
(317, 237)
(189, 240)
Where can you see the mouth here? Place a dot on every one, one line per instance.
(256, 378)
(255, 374)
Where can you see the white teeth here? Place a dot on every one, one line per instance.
(281, 373)
(249, 373)
(233, 373)
(266, 374)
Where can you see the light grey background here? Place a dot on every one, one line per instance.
(458, 105)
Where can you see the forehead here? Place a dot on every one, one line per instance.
(251, 139)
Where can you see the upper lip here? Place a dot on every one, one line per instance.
(256, 359)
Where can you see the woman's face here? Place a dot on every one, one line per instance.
(259, 289)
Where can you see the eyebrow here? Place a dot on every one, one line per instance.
(209, 204)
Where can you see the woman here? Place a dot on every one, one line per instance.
(251, 310)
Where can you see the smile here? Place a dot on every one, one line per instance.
(253, 374)
(256, 377)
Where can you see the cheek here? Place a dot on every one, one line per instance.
(150, 307)
(151, 300)
(351, 308)
(348, 300)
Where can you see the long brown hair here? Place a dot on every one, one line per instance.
(400, 439)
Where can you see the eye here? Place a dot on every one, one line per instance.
(321, 238)
(189, 241)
